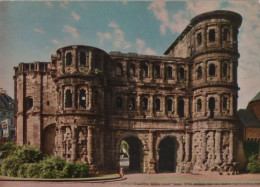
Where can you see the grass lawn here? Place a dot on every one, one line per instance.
(102, 177)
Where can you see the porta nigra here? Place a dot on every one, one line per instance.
(177, 112)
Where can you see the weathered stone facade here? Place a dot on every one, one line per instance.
(177, 112)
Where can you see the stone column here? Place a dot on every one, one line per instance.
(219, 104)
(219, 37)
(176, 106)
(194, 109)
(187, 107)
(87, 98)
(151, 105)
(78, 98)
(74, 142)
(231, 146)
(163, 105)
(219, 70)
(62, 98)
(231, 35)
(204, 36)
(152, 162)
(232, 71)
(232, 104)
(205, 71)
(138, 103)
(218, 147)
(90, 97)
(90, 61)
(90, 150)
(187, 147)
(74, 57)
(180, 151)
(73, 97)
(203, 146)
(205, 105)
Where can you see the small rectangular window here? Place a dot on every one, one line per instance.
(212, 35)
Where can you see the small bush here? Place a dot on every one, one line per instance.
(253, 165)
(76, 170)
(52, 167)
(7, 148)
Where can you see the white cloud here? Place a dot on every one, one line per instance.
(39, 31)
(72, 31)
(48, 3)
(75, 16)
(198, 7)
(117, 37)
(143, 49)
(175, 22)
(103, 37)
(54, 41)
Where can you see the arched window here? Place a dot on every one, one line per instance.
(82, 59)
(157, 72)
(119, 102)
(212, 35)
(144, 71)
(181, 108)
(225, 69)
(144, 104)
(132, 70)
(29, 103)
(225, 34)
(225, 102)
(199, 38)
(82, 98)
(212, 70)
(119, 70)
(199, 72)
(68, 98)
(211, 106)
(131, 103)
(169, 105)
(169, 72)
(68, 59)
(157, 104)
(97, 62)
(181, 73)
(199, 105)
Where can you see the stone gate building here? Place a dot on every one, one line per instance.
(177, 112)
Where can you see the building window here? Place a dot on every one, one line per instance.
(181, 73)
(212, 70)
(181, 108)
(212, 35)
(157, 72)
(132, 70)
(97, 62)
(29, 103)
(144, 71)
(144, 104)
(169, 72)
(199, 72)
(225, 34)
(199, 105)
(131, 103)
(82, 59)
(68, 59)
(199, 38)
(157, 104)
(119, 102)
(119, 70)
(82, 98)
(211, 106)
(225, 101)
(225, 69)
(68, 99)
(169, 105)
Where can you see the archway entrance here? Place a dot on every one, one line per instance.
(131, 156)
(168, 154)
(48, 139)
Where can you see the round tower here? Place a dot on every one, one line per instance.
(215, 90)
(80, 84)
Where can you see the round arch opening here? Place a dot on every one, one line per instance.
(131, 154)
(168, 148)
(48, 139)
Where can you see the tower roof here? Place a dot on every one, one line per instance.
(256, 98)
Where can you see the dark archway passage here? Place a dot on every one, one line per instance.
(48, 139)
(135, 154)
(168, 154)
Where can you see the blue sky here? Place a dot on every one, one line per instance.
(32, 31)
